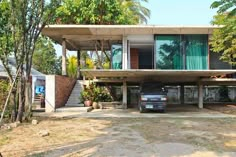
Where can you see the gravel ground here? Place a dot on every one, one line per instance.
(146, 136)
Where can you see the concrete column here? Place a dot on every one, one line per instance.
(129, 58)
(50, 94)
(200, 96)
(78, 66)
(182, 94)
(124, 101)
(124, 54)
(34, 79)
(64, 57)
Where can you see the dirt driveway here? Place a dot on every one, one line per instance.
(99, 137)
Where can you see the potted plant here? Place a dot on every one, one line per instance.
(86, 98)
(100, 95)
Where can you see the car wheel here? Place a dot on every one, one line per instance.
(141, 110)
(163, 111)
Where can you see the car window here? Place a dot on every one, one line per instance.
(153, 87)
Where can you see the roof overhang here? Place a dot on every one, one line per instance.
(83, 36)
(131, 75)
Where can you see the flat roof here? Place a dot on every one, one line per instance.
(81, 36)
(154, 74)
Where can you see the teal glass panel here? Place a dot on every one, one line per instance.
(196, 48)
(168, 54)
(116, 56)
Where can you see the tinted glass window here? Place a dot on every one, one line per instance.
(168, 55)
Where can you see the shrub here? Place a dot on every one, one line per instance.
(3, 92)
(95, 93)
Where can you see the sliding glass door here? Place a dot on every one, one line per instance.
(168, 54)
(116, 56)
(196, 52)
(181, 52)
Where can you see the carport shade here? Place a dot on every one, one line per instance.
(174, 75)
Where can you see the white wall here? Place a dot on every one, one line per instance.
(50, 93)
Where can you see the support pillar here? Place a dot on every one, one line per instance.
(79, 76)
(124, 53)
(182, 94)
(124, 100)
(200, 96)
(63, 66)
(129, 58)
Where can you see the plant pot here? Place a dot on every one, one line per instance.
(87, 103)
(95, 105)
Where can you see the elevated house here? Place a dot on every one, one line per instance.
(175, 55)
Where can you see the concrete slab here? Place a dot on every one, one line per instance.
(134, 113)
(72, 109)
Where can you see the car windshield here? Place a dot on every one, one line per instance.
(153, 87)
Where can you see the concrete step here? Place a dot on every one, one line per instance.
(72, 109)
(73, 102)
(76, 92)
(75, 95)
(74, 98)
(74, 105)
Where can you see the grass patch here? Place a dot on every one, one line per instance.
(4, 140)
(231, 143)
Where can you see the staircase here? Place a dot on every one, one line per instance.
(74, 99)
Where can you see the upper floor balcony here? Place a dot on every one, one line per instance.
(135, 48)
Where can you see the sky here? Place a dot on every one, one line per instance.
(175, 12)
(180, 12)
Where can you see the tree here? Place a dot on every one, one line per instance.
(45, 58)
(224, 39)
(23, 21)
(135, 9)
(72, 67)
(102, 12)
(225, 6)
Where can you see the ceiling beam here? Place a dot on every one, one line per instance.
(92, 37)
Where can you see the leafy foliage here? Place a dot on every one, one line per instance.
(102, 12)
(45, 59)
(224, 39)
(21, 24)
(225, 6)
(95, 93)
(4, 86)
(72, 67)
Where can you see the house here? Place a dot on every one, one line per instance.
(175, 55)
(37, 78)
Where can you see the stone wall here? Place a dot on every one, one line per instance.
(64, 85)
(211, 94)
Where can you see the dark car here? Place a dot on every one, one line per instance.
(153, 96)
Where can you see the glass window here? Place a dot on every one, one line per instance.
(182, 52)
(168, 55)
(116, 56)
(196, 48)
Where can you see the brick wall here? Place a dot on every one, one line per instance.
(63, 87)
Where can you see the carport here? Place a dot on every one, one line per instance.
(168, 77)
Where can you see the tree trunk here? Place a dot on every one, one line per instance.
(28, 100)
(21, 98)
(14, 110)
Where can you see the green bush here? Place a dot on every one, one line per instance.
(95, 93)
(102, 95)
(3, 92)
